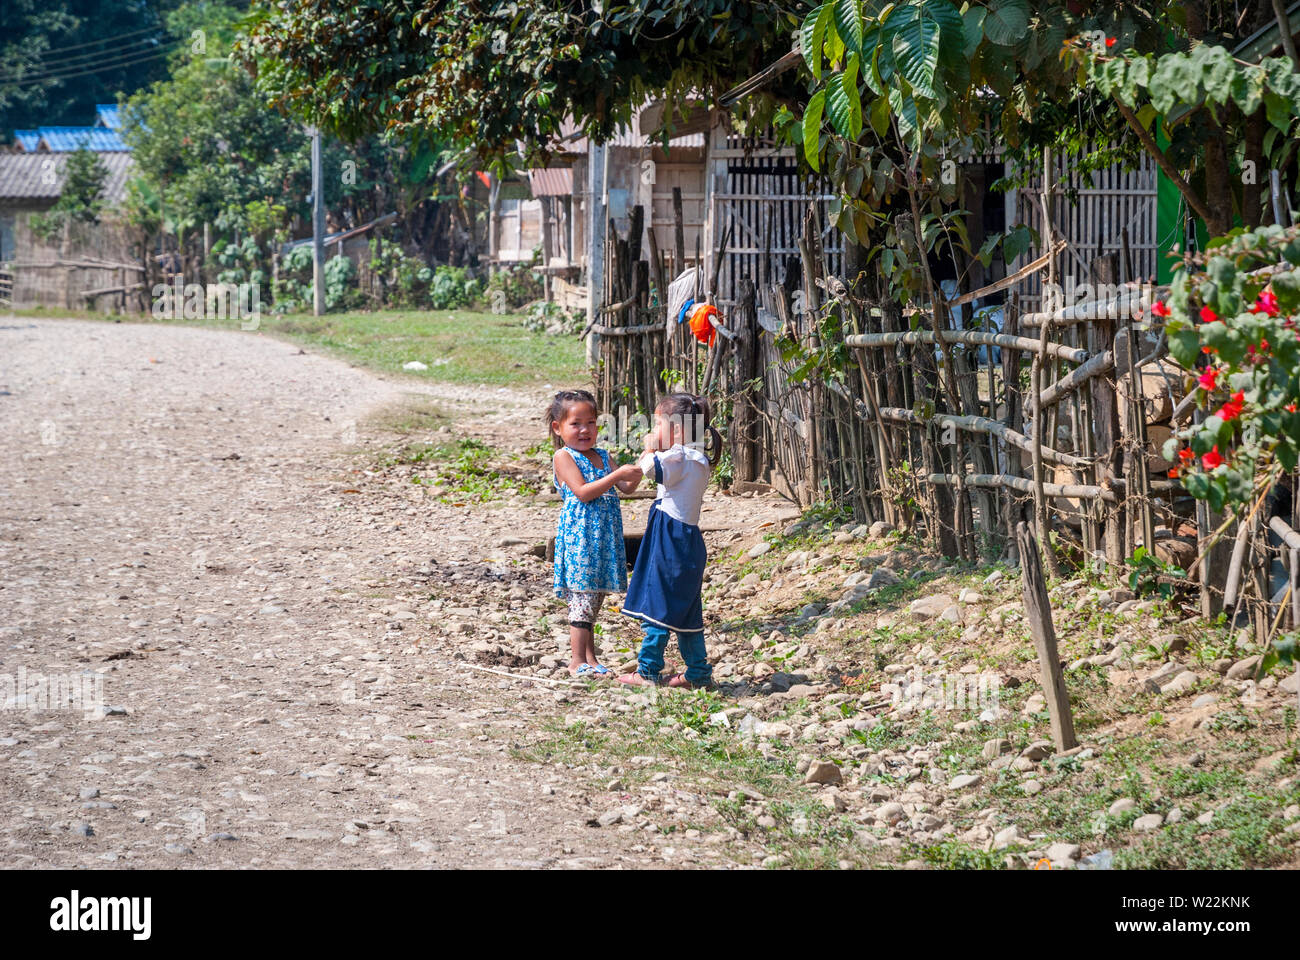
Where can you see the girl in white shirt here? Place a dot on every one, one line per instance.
(664, 590)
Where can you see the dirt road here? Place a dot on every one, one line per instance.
(176, 520)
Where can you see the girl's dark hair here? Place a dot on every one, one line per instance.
(694, 413)
(560, 406)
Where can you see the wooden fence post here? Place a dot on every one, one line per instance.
(1038, 611)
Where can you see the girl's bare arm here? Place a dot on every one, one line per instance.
(571, 476)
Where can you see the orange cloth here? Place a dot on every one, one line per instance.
(704, 331)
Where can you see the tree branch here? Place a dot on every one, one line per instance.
(1165, 165)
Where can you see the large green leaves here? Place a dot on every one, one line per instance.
(921, 34)
(812, 123)
(1007, 22)
(812, 37)
(843, 104)
(848, 23)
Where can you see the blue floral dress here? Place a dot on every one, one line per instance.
(590, 555)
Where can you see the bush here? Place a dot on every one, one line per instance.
(453, 287)
(551, 318)
(513, 287)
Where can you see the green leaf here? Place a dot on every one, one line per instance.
(973, 29)
(880, 116)
(849, 82)
(839, 106)
(812, 122)
(1007, 22)
(1286, 286)
(916, 52)
(848, 23)
(812, 36)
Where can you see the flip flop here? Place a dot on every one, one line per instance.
(599, 668)
(583, 671)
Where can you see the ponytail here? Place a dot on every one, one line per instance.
(698, 411)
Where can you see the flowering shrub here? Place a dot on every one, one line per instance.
(1231, 316)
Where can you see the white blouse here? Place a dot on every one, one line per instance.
(682, 474)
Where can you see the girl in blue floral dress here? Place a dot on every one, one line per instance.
(590, 557)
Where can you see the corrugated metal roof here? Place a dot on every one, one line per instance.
(106, 116)
(39, 176)
(551, 182)
(627, 136)
(27, 139)
(63, 139)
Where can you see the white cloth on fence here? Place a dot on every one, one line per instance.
(679, 291)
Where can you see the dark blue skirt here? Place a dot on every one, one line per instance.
(665, 585)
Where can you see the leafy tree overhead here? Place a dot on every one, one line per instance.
(487, 74)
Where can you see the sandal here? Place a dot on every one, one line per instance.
(584, 670)
(600, 669)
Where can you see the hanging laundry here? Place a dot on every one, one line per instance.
(704, 331)
(685, 311)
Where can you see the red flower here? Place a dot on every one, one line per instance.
(1266, 303)
(1232, 409)
(1208, 315)
(1110, 41)
(1290, 407)
(1159, 309)
(1173, 474)
(1263, 346)
(1212, 459)
(1208, 349)
(1186, 455)
(1208, 378)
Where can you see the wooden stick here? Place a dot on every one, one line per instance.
(987, 426)
(1038, 610)
(970, 337)
(1071, 491)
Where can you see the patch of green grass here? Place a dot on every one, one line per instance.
(461, 468)
(458, 346)
(955, 855)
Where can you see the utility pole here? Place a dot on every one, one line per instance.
(317, 225)
(596, 229)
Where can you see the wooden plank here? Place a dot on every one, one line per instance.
(1038, 611)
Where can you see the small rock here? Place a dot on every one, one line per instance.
(1038, 750)
(962, 781)
(758, 549)
(1121, 806)
(1004, 838)
(1031, 788)
(1243, 669)
(83, 830)
(880, 529)
(1150, 821)
(995, 748)
(1063, 852)
(823, 771)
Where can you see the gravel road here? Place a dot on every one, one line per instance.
(179, 531)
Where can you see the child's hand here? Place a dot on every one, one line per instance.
(629, 471)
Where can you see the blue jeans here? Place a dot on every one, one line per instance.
(650, 663)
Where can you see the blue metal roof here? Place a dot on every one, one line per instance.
(27, 139)
(64, 139)
(106, 116)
